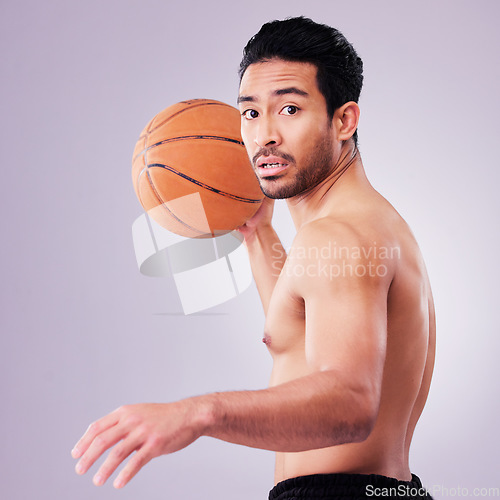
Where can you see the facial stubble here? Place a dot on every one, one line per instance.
(318, 167)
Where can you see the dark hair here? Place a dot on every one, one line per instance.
(340, 70)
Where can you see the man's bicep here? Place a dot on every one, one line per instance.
(346, 331)
(344, 286)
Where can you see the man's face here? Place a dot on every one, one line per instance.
(285, 127)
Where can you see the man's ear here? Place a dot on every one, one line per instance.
(345, 120)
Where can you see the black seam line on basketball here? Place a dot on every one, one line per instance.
(164, 205)
(148, 131)
(183, 110)
(206, 186)
(187, 138)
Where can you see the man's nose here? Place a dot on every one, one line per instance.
(267, 134)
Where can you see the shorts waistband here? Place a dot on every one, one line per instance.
(348, 487)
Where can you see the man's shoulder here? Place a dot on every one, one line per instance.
(331, 255)
(366, 221)
(352, 243)
(339, 230)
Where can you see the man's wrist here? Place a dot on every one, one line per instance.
(257, 233)
(205, 413)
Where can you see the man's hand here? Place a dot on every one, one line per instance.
(262, 217)
(150, 430)
(265, 250)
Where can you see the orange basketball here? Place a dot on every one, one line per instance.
(191, 171)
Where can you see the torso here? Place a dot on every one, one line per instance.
(409, 355)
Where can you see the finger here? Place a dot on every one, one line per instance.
(92, 431)
(98, 446)
(116, 456)
(134, 465)
(243, 230)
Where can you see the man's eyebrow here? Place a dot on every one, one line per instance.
(291, 90)
(278, 92)
(246, 98)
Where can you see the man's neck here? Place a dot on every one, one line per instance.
(330, 194)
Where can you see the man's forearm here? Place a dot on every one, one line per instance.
(267, 257)
(307, 413)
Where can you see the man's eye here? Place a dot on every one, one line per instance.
(250, 114)
(289, 110)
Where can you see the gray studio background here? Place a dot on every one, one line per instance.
(83, 332)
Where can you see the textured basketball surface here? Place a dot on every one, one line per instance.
(191, 171)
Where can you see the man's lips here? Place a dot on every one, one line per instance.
(270, 165)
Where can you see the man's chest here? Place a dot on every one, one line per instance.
(285, 322)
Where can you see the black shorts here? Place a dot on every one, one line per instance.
(348, 487)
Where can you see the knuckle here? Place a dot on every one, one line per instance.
(121, 410)
(132, 420)
(93, 427)
(137, 461)
(155, 440)
(118, 454)
(100, 441)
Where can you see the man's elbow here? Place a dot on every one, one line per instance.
(354, 413)
(360, 416)
(363, 428)
(365, 414)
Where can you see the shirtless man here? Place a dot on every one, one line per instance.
(349, 312)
